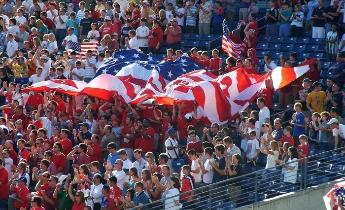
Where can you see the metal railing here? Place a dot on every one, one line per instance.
(260, 185)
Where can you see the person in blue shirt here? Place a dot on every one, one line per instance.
(140, 197)
(298, 121)
(113, 155)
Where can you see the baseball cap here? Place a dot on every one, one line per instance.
(332, 121)
(85, 125)
(307, 80)
(107, 18)
(171, 131)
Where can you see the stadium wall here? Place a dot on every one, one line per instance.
(309, 199)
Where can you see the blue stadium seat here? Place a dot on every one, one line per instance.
(186, 36)
(289, 40)
(325, 65)
(304, 40)
(317, 41)
(299, 48)
(195, 37)
(275, 55)
(191, 43)
(275, 40)
(204, 44)
(287, 47)
(262, 46)
(317, 55)
(311, 48)
(305, 55)
(273, 46)
(260, 54)
(264, 39)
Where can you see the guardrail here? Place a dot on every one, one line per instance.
(263, 184)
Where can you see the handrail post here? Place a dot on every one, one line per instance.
(256, 187)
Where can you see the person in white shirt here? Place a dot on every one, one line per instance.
(264, 113)
(60, 25)
(206, 168)
(253, 148)
(139, 162)
(94, 34)
(38, 77)
(195, 167)
(120, 174)
(272, 155)
(78, 72)
(142, 34)
(12, 46)
(338, 130)
(13, 28)
(132, 42)
(89, 66)
(95, 191)
(52, 44)
(20, 18)
(70, 37)
(171, 145)
(290, 168)
(81, 12)
(180, 13)
(269, 64)
(231, 147)
(52, 12)
(127, 163)
(171, 195)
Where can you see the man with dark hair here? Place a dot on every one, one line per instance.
(140, 197)
(218, 165)
(269, 64)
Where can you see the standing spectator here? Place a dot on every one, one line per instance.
(331, 43)
(243, 11)
(272, 16)
(205, 15)
(142, 34)
(155, 37)
(264, 113)
(173, 33)
(171, 195)
(60, 24)
(132, 42)
(269, 63)
(180, 13)
(206, 167)
(290, 168)
(316, 99)
(319, 21)
(20, 191)
(284, 20)
(338, 131)
(140, 197)
(12, 46)
(217, 17)
(71, 37)
(332, 15)
(298, 121)
(195, 168)
(86, 24)
(190, 13)
(297, 22)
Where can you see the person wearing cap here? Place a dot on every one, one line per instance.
(316, 99)
(19, 194)
(338, 131)
(78, 72)
(107, 27)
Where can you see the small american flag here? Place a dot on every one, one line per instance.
(231, 44)
(83, 47)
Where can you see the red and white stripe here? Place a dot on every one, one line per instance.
(232, 48)
(85, 46)
(106, 86)
(65, 86)
(283, 76)
(330, 199)
(135, 74)
(154, 86)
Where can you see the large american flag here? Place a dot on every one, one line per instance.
(231, 44)
(83, 47)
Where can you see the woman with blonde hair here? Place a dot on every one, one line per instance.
(272, 155)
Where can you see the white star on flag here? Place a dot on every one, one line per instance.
(170, 74)
(136, 55)
(121, 57)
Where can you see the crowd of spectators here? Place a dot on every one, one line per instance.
(58, 154)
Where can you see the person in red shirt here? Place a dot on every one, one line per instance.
(303, 148)
(194, 55)
(170, 55)
(65, 142)
(115, 191)
(251, 32)
(48, 22)
(251, 53)
(94, 149)
(3, 185)
(287, 137)
(215, 62)
(204, 60)
(155, 37)
(9, 145)
(58, 158)
(117, 24)
(23, 153)
(107, 27)
(34, 100)
(20, 191)
(187, 184)
(77, 198)
(19, 114)
(173, 33)
(230, 65)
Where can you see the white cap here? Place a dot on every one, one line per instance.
(188, 116)
(332, 121)
(107, 18)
